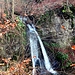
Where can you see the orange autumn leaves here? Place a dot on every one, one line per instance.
(26, 61)
(73, 47)
(27, 15)
(23, 63)
(7, 26)
(72, 65)
(63, 27)
(1, 35)
(3, 15)
(6, 60)
(12, 68)
(16, 67)
(20, 66)
(0, 22)
(34, 56)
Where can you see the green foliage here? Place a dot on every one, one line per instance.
(22, 32)
(20, 23)
(42, 19)
(45, 43)
(13, 42)
(63, 58)
(67, 8)
(46, 17)
(73, 40)
(68, 11)
(21, 27)
(54, 45)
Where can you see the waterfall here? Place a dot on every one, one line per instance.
(46, 60)
(34, 38)
(47, 63)
(34, 46)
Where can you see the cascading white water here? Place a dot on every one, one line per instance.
(47, 63)
(46, 60)
(33, 39)
(33, 45)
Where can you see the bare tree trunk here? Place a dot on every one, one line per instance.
(5, 5)
(8, 7)
(1, 11)
(67, 2)
(13, 10)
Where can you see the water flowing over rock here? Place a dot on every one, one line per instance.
(39, 56)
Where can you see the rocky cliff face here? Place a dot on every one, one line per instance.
(63, 31)
(59, 30)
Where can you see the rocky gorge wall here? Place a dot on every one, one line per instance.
(59, 30)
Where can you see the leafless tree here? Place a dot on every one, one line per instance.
(13, 10)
